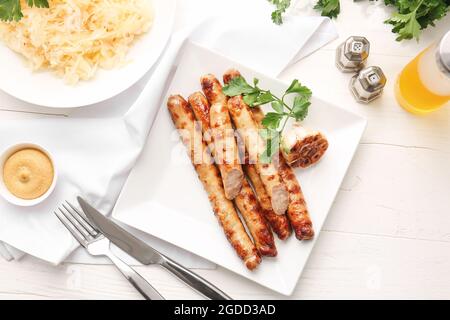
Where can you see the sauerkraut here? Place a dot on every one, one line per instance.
(76, 37)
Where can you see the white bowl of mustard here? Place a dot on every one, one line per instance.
(27, 174)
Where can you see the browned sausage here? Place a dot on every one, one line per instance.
(258, 116)
(254, 144)
(201, 107)
(212, 89)
(254, 218)
(184, 121)
(222, 132)
(279, 223)
(243, 120)
(297, 210)
(303, 147)
(230, 74)
(245, 200)
(230, 167)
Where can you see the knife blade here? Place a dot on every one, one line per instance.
(135, 247)
(146, 255)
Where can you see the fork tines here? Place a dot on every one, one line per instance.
(77, 224)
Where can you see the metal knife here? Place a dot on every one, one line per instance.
(145, 254)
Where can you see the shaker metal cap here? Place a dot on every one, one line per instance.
(368, 84)
(352, 54)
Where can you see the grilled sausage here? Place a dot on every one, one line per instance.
(184, 121)
(201, 107)
(297, 211)
(253, 215)
(226, 151)
(303, 147)
(245, 200)
(273, 184)
(212, 89)
(243, 120)
(279, 223)
(230, 74)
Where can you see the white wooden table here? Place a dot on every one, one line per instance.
(388, 233)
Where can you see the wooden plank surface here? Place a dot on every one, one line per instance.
(343, 265)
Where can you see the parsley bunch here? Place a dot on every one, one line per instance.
(275, 121)
(411, 17)
(11, 10)
(415, 15)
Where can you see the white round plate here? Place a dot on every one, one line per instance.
(46, 89)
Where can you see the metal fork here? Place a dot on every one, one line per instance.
(98, 245)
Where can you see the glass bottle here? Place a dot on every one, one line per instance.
(423, 85)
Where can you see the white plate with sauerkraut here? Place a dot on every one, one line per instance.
(80, 52)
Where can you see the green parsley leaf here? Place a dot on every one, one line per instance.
(265, 133)
(238, 86)
(277, 17)
(268, 134)
(272, 120)
(38, 3)
(328, 8)
(264, 98)
(10, 10)
(277, 106)
(250, 98)
(405, 25)
(300, 109)
(434, 13)
(272, 138)
(410, 30)
(281, 7)
(296, 87)
(412, 16)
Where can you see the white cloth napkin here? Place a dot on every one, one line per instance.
(94, 154)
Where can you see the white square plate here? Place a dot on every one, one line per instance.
(164, 197)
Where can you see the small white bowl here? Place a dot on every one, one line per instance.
(6, 194)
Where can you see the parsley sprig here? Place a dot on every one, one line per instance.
(11, 10)
(281, 6)
(274, 121)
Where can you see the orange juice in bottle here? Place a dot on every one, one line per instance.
(424, 84)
